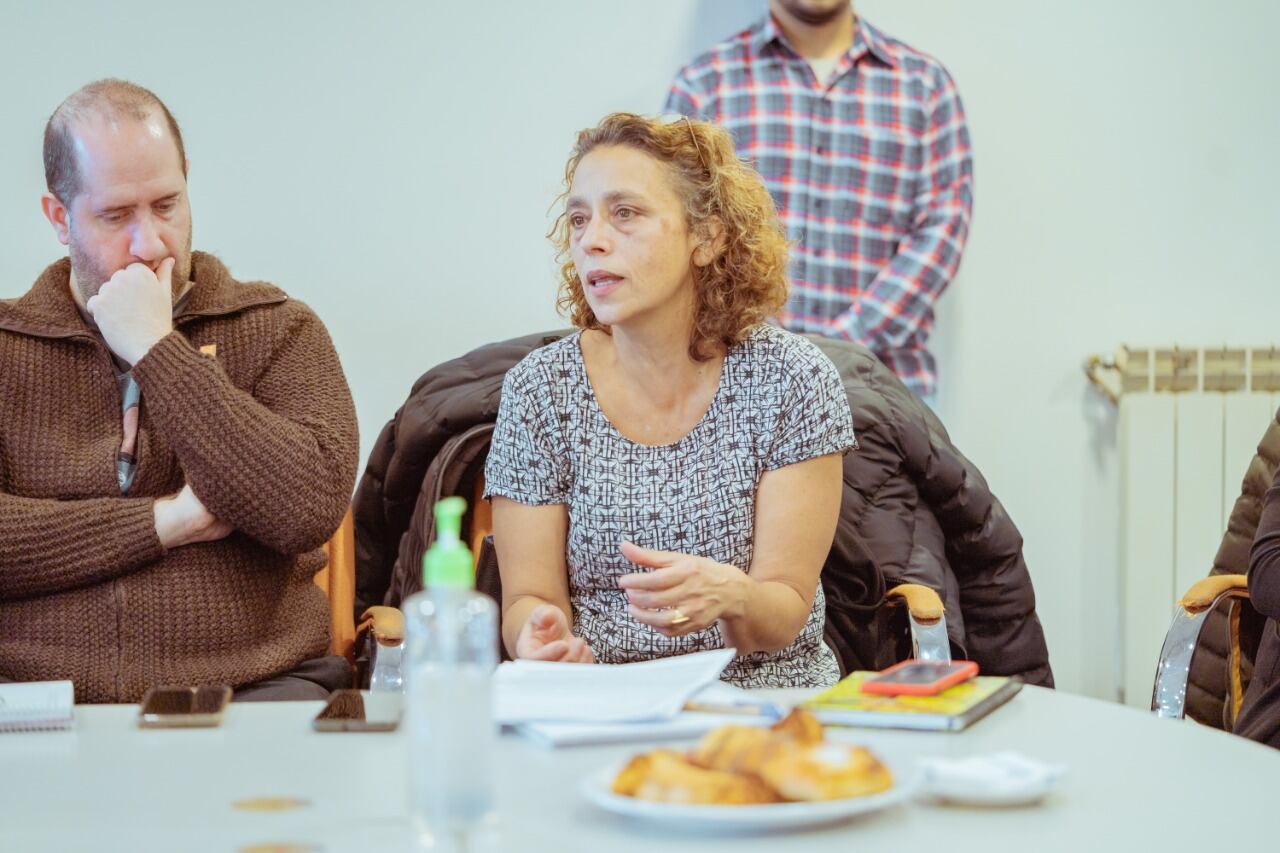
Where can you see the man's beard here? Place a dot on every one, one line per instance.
(812, 17)
(90, 276)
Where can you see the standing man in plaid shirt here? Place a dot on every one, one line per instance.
(863, 143)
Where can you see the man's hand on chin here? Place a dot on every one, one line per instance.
(134, 309)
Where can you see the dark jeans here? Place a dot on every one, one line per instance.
(313, 679)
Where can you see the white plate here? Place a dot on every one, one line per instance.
(597, 789)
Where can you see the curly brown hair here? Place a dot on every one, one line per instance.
(746, 282)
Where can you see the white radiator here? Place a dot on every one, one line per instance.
(1190, 422)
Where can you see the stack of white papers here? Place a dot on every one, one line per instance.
(570, 704)
(528, 691)
(36, 706)
(724, 705)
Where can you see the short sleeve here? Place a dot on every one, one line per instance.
(525, 461)
(814, 418)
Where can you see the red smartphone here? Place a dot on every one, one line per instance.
(919, 677)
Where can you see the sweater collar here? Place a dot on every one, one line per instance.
(48, 309)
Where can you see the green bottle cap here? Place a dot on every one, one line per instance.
(448, 561)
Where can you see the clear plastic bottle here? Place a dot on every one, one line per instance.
(451, 651)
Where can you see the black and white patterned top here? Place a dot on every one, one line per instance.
(779, 402)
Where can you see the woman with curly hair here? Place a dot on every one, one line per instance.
(667, 479)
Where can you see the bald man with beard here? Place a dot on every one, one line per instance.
(176, 445)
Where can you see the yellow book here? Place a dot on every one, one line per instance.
(953, 709)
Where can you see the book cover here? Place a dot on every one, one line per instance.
(951, 710)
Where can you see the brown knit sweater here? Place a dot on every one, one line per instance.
(264, 430)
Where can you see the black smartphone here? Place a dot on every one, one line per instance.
(183, 707)
(359, 711)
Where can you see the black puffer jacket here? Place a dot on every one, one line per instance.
(1210, 682)
(445, 402)
(925, 515)
(914, 510)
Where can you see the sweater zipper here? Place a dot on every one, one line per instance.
(119, 594)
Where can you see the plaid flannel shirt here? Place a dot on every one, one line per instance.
(871, 172)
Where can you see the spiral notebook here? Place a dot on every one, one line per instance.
(36, 706)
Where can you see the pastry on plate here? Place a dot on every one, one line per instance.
(800, 725)
(748, 765)
(825, 771)
(736, 749)
(667, 776)
(743, 749)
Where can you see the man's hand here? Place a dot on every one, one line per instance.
(182, 520)
(134, 309)
(546, 636)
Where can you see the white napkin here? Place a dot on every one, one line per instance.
(997, 779)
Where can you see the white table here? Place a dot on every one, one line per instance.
(1134, 783)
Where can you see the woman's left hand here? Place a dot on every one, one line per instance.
(683, 593)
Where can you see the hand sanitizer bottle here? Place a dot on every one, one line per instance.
(451, 651)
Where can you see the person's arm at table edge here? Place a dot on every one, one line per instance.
(278, 464)
(1264, 557)
(797, 507)
(530, 542)
(50, 546)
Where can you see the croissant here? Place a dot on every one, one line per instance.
(736, 749)
(668, 777)
(743, 749)
(741, 765)
(801, 725)
(825, 771)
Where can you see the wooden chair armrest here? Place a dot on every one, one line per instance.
(386, 624)
(924, 605)
(1205, 591)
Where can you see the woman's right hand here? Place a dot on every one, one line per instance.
(546, 636)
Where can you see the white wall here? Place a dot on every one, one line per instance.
(393, 167)
(1126, 191)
